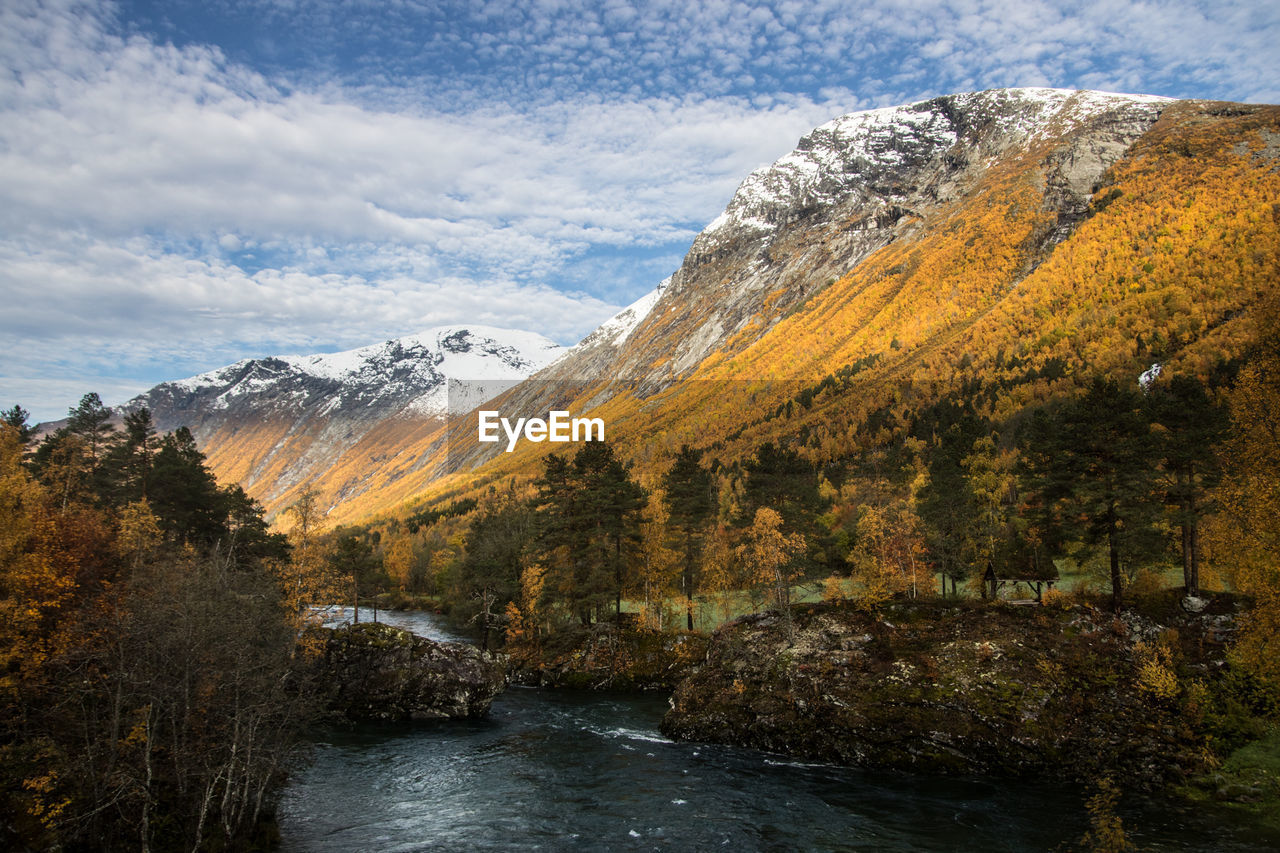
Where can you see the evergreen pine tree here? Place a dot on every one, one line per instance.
(690, 501)
(1093, 465)
(1190, 427)
(946, 509)
(183, 493)
(495, 557)
(128, 463)
(16, 417)
(353, 557)
(91, 420)
(588, 513)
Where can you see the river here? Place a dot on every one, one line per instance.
(569, 770)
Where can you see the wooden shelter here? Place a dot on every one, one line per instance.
(1038, 578)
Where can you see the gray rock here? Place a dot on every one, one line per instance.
(377, 672)
(946, 689)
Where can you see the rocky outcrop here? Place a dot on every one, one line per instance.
(1072, 692)
(376, 672)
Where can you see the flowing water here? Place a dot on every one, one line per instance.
(420, 622)
(568, 770)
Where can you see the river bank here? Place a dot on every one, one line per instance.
(989, 696)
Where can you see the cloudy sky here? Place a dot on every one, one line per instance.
(184, 183)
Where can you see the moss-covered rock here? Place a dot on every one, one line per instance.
(967, 688)
(373, 671)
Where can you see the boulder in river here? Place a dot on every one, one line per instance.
(378, 672)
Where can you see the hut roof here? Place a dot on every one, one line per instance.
(1024, 572)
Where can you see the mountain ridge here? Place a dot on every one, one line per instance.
(865, 179)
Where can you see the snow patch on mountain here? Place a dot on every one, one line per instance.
(619, 327)
(418, 374)
(868, 151)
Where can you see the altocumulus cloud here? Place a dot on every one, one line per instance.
(167, 210)
(184, 184)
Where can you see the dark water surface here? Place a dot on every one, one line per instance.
(568, 770)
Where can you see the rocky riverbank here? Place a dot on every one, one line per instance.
(1071, 691)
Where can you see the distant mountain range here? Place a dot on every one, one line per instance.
(276, 424)
(997, 243)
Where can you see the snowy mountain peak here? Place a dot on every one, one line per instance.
(877, 153)
(408, 375)
(619, 327)
(465, 352)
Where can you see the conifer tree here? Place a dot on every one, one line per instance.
(249, 539)
(589, 513)
(562, 537)
(128, 463)
(91, 420)
(495, 558)
(779, 478)
(1093, 465)
(183, 493)
(353, 558)
(690, 503)
(69, 461)
(16, 417)
(1190, 426)
(946, 507)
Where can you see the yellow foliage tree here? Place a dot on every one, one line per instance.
(888, 557)
(37, 573)
(307, 581)
(721, 575)
(658, 569)
(399, 560)
(140, 532)
(1246, 538)
(991, 483)
(768, 554)
(524, 619)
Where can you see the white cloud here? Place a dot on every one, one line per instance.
(154, 195)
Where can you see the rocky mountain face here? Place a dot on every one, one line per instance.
(851, 187)
(274, 424)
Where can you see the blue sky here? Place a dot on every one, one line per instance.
(184, 184)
